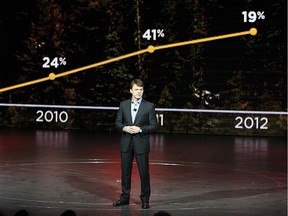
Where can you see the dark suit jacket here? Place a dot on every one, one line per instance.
(145, 119)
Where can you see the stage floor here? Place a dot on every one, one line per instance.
(47, 172)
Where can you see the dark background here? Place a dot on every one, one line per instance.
(241, 73)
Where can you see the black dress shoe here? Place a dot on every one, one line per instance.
(145, 205)
(121, 203)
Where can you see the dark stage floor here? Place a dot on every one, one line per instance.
(48, 172)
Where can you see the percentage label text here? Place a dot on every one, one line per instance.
(55, 62)
(252, 16)
(153, 34)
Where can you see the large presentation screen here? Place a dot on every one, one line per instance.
(210, 67)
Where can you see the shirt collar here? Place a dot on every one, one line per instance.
(138, 101)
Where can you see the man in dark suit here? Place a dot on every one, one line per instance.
(136, 119)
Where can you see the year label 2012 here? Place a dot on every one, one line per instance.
(251, 123)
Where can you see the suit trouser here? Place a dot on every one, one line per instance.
(142, 161)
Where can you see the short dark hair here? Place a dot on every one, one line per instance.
(137, 82)
(162, 213)
(68, 213)
(22, 212)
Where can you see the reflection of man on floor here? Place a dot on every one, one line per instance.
(136, 119)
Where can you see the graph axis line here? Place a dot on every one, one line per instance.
(157, 109)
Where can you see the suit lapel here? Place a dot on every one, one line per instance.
(141, 108)
(129, 112)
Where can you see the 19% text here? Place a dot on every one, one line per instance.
(252, 16)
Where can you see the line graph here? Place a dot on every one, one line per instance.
(149, 49)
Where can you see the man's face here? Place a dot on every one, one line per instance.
(137, 92)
